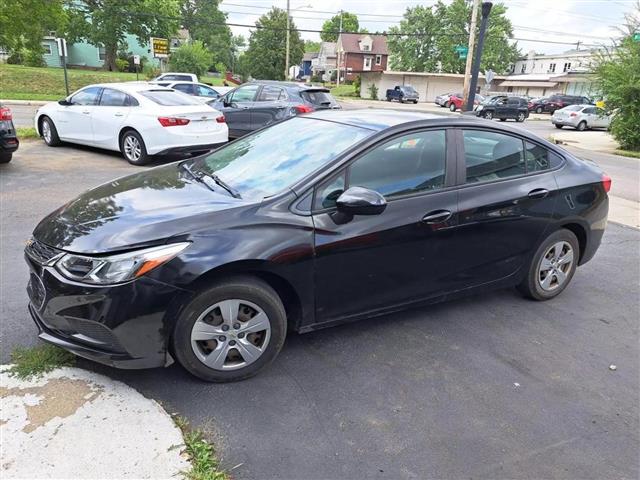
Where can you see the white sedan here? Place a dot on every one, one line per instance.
(137, 119)
(200, 91)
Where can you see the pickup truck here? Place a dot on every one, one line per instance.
(402, 93)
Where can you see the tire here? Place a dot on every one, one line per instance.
(49, 132)
(503, 119)
(133, 148)
(533, 285)
(539, 110)
(452, 107)
(446, 105)
(581, 126)
(388, 99)
(488, 115)
(254, 298)
(558, 125)
(521, 117)
(415, 102)
(5, 157)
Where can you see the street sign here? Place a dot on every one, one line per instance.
(159, 47)
(136, 59)
(636, 37)
(462, 51)
(489, 75)
(62, 47)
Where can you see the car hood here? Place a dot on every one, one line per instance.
(141, 209)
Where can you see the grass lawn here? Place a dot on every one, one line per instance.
(628, 153)
(32, 83)
(344, 91)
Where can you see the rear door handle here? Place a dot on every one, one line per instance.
(538, 193)
(437, 216)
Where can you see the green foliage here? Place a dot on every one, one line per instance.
(26, 132)
(206, 22)
(357, 83)
(23, 23)
(202, 455)
(618, 78)
(36, 361)
(107, 22)
(122, 65)
(238, 42)
(190, 58)
(265, 56)
(150, 72)
(437, 46)
(27, 57)
(373, 92)
(332, 26)
(311, 47)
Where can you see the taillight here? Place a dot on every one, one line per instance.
(606, 182)
(5, 113)
(172, 121)
(221, 119)
(303, 108)
(573, 114)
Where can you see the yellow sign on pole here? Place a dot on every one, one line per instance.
(160, 47)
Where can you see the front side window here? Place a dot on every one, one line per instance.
(88, 96)
(407, 164)
(492, 156)
(328, 192)
(244, 94)
(113, 98)
(204, 91)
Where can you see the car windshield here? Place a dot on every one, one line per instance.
(169, 98)
(492, 100)
(317, 97)
(408, 89)
(268, 161)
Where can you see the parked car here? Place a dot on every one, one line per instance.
(456, 100)
(137, 119)
(556, 102)
(8, 139)
(204, 93)
(581, 117)
(176, 77)
(443, 100)
(402, 93)
(317, 220)
(504, 108)
(256, 104)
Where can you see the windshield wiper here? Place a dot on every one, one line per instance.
(206, 179)
(197, 176)
(232, 191)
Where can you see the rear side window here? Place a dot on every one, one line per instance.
(270, 93)
(168, 98)
(317, 97)
(88, 96)
(513, 101)
(184, 88)
(113, 98)
(177, 78)
(492, 156)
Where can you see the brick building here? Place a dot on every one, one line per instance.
(361, 52)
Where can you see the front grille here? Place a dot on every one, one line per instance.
(93, 333)
(36, 291)
(41, 253)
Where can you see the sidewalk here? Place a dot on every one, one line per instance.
(71, 423)
(25, 102)
(597, 141)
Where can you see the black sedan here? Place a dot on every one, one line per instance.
(8, 139)
(260, 103)
(321, 219)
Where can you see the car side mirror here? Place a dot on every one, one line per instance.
(361, 201)
(64, 102)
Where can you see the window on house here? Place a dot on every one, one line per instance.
(567, 67)
(367, 63)
(102, 53)
(552, 67)
(523, 68)
(47, 49)
(366, 47)
(378, 59)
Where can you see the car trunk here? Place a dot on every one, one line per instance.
(320, 98)
(202, 119)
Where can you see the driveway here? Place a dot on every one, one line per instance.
(493, 386)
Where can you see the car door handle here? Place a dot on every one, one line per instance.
(119, 114)
(86, 112)
(538, 193)
(437, 216)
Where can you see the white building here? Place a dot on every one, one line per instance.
(577, 61)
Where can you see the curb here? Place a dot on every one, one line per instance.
(25, 102)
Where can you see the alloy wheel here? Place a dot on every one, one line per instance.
(46, 131)
(555, 266)
(230, 334)
(521, 117)
(488, 115)
(132, 149)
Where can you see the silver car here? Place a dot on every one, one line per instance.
(443, 100)
(581, 117)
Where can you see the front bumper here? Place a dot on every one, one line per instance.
(124, 326)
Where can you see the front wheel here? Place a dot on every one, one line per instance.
(133, 148)
(552, 267)
(520, 118)
(230, 331)
(488, 115)
(49, 132)
(5, 157)
(388, 99)
(452, 107)
(581, 126)
(539, 110)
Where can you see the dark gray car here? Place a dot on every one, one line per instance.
(259, 103)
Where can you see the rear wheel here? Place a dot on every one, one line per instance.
(230, 331)
(49, 132)
(552, 267)
(5, 157)
(446, 105)
(581, 126)
(133, 148)
(452, 107)
(415, 102)
(539, 110)
(558, 125)
(520, 118)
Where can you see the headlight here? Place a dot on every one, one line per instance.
(479, 107)
(116, 268)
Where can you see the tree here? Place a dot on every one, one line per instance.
(443, 27)
(23, 23)
(265, 57)
(106, 23)
(311, 47)
(191, 58)
(205, 22)
(332, 26)
(238, 43)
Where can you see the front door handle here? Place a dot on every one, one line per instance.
(437, 216)
(86, 112)
(118, 114)
(538, 193)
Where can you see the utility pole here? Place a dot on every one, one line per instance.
(472, 43)
(339, 56)
(286, 61)
(486, 9)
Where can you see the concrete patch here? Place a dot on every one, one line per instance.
(72, 423)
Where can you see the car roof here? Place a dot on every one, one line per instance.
(301, 86)
(130, 87)
(373, 119)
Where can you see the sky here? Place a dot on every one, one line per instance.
(591, 22)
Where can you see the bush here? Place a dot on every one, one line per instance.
(150, 72)
(191, 58)
(29, 58)
(316, 78)
(357, 83)
(122, 65)
(373, 92)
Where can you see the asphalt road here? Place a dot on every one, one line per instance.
(493, 386)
